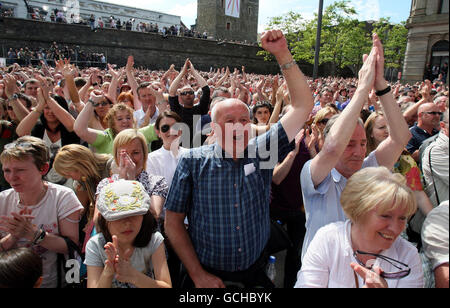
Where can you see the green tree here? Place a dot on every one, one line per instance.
(344, 38)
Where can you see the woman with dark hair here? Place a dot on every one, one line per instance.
(262, 112)
(51, 122)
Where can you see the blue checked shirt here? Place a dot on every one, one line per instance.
(227, 202)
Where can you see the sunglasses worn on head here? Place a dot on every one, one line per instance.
(404, 269)
(22, 145)
(187, 92)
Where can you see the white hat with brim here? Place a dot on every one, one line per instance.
(121, 199)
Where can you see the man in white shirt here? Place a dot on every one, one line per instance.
(437, 173)
(324, 177)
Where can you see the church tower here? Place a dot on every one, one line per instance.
(229, 19)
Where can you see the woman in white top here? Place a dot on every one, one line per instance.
(163, 162)
(35, 213)
(366, 250)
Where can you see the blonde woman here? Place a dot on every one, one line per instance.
(87, 169)
(130, 159)
(366, 250)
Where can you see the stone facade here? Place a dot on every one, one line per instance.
(211, 18)
(428, 38)
(150, 50)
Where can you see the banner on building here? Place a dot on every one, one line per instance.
(232, 8)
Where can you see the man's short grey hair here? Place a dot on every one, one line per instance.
(331, 122)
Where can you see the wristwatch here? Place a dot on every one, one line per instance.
(288, 65)
(40, 236)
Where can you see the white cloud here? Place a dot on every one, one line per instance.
(188, 12)
(367, 9)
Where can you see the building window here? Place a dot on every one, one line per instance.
(443, 7)
(228, 25)
(249, 11)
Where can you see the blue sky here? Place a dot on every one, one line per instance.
(397, 10)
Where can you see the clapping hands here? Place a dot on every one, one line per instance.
(118, 263)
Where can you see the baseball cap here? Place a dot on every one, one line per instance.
(121, 199)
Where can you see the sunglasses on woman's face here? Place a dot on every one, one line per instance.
(324, 121)
(165, 128)
(187, 93)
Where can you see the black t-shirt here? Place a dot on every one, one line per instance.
(187, 114)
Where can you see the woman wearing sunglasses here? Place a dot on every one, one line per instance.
(163, 162)
(119, 118)
(366, 250)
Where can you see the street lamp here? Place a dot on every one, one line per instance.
(319, 32)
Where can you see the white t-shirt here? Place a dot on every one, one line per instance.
(163, 163)
(141, 259)
(58, 203)
(326, 264)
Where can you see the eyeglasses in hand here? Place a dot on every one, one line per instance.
(404, 269)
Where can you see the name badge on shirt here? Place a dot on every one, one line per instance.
(249, 169)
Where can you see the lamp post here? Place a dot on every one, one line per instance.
(319, 32)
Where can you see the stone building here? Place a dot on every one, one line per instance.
(428, 38)
(235, 20)
(75, 10)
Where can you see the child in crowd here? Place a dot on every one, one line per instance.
(128, 252)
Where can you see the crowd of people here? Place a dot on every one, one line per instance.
(175, 178)
(49, 55)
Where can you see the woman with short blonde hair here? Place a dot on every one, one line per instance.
(367, 249)
(377, 189)
(130, 153)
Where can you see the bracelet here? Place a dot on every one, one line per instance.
(288, 65)
(383, 92)
(35, 110)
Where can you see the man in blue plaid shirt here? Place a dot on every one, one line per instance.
(224, 188)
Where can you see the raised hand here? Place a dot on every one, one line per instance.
(367, 74)
(10, 85)
(380, 82)
(274, 42)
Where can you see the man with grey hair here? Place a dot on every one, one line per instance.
(224, 188)
(435, 165)
(324, 177)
